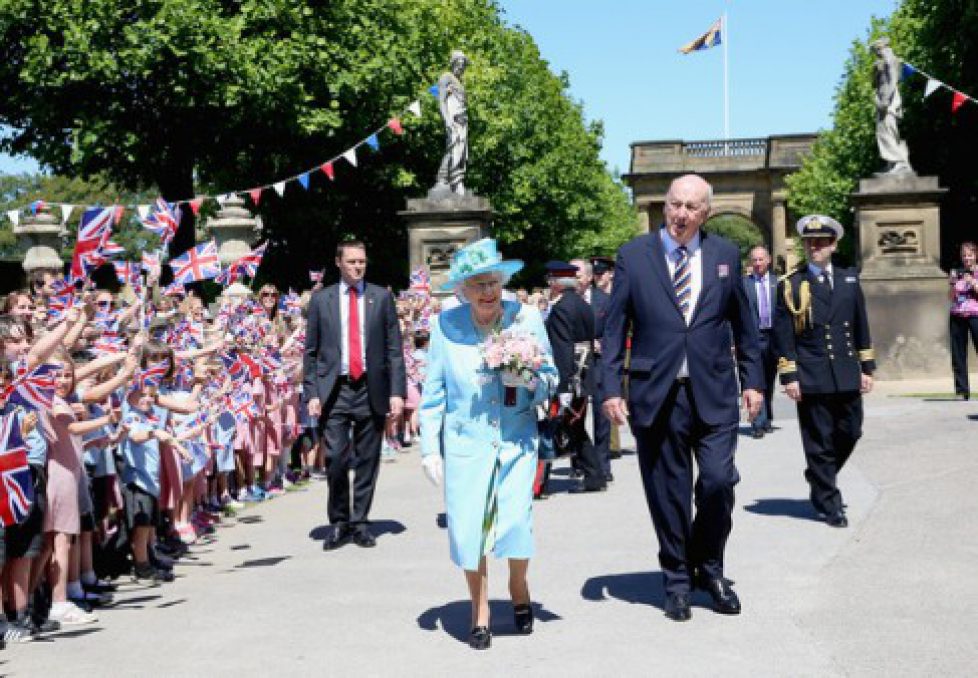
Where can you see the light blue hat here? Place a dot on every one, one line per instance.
(476, 258)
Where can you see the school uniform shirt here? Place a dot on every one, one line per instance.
(142, 460)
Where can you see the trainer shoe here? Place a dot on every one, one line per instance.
(69, 614)
(19, 631)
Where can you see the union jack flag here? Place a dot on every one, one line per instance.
(151, 376)
(34, 391)
(59, 304)
(290, 303)
(270, 360)
(111, 249)
(420, 280)
(243, 407)
(241, 365)
(164, 221)
(151, 263)
(110, 342)
(174, 290)
(127, 272)
(17, 488)
(59, 286)
(245, 267)
(94, 229)
(197, 263)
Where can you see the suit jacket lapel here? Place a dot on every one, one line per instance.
(333, 316)
(369, 302)
(657, 257)
(708, 260)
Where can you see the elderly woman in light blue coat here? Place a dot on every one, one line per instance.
(484, 447)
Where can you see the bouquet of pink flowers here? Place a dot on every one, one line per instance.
(517, 358)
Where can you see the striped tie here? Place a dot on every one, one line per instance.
(682, 278)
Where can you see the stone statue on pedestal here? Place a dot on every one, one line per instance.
(451, 101)
(889, 109)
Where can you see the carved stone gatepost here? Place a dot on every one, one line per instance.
(234, 228)
(906, 291)
(39, 236)
(439, 225)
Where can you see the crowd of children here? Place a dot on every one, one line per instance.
(131, 423)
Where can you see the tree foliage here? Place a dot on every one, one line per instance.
(190, 96)
(739, 230)
(939, 37)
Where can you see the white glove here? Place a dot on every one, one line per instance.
(565, 401)
(432, 465)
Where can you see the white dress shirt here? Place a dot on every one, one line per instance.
(696, 277)
(344, 324)
(816, 271)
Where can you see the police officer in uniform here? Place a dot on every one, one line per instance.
(570, 327)
(825, 359)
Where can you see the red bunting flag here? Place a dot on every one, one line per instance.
(195, 205)
(255, 194)
(958, 101)
(327, 168)
(395, 126)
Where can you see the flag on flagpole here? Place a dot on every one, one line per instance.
(198, 263)
(711, 38)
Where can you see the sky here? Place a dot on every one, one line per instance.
(785, 58)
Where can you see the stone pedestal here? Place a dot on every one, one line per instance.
(440, 224)
(234, 228)
(906, 291)
(39, 237)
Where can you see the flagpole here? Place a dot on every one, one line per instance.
(725, 38)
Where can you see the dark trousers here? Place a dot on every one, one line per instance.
(349, 412)
(770, 364)
(960, 328)
(665, 454)
(602, 434)
(830, 426)
(581, 446)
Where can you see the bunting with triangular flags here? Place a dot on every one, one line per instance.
(372, 142)
(351, 156)
(957, 101)
(327, 168)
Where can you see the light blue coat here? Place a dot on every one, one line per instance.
(490, 449)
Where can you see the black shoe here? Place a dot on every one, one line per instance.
(609, 477)
(677, 607)
(837, 519)
(338, 536)
(159, 561)
(523, 619)
(480, 638)
(769, 428)
(584, 487)
(363, 538)
(145, 572)
(99, 587)
(725, 600)
(757, 433)
(614, 454)
(542, 496)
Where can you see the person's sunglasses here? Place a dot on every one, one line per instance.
(269, 294)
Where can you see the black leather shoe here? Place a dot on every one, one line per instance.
(677, 607)
(837, 519)
(609, 477)
(757, 433)
(769, 428)
(725, 600)
(363, 538)
(480, 638)
(338, 536)
(584, 487)
(523, 619)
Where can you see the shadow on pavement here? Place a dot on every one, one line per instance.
(264, 562)
(638, 588)
(455, 617)
(377, 528)
(789, 508)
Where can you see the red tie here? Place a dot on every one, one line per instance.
(353, 332)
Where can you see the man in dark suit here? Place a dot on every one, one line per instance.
(761, 287)
(825, 360)
(679, 290)
(353, 381)
(598, 301)
(570, 328)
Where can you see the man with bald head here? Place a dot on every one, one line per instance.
(678, 289)
(761, 286)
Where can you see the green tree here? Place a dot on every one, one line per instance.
(739, 230)
(206, 95)
(939, 37)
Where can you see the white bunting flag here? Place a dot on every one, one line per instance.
(142, 211)
(66, 211)
(415, 108)
(279, 188)
(351, 156)
(14, 216)
(221, 199)
(931, 87)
